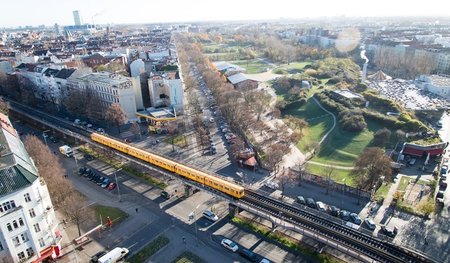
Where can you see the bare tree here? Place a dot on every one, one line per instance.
(285, 178)
(328, 172)
(116, 115)
(172, 128)
(135, 129)
(274, 155)
(76, 209)
(302, 170)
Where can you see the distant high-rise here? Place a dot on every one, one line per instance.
(56, 27)
(77, 18)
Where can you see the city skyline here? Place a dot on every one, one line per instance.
(49, 12)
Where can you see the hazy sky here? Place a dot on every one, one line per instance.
(48, 12)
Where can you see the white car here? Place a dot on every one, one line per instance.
(210, 215)
(228, 244)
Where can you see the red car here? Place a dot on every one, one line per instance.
(111, 186)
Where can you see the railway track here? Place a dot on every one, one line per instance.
(371, 246)
(376, 249)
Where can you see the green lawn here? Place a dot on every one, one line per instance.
(149, 250)
(381, 193)
(319, 122)
(342, 147)
(188, 257)
(252, 66)
(338, 175)
(178, 140)
(103, 212)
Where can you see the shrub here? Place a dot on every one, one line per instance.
(311, 72)
(381, 137)
(352, 120)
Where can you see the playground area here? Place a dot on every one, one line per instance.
(415, 192)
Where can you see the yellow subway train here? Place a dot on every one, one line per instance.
(172, 166)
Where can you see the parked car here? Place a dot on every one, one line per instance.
(370, 223)
(301, 200)
(88, 157)
(440, 194)
(165, 194)
(230, 245)
(248, 254)
(211, 119)
(210, 215)
(53, 139)
(128, 140)
(89, 126)
(334, 211)
(112, 186)
(77, 121)
(106, 182)
(345, 215)
(321, 206)
(81, 170)
(100, 180)
(389, 231)
(100, 130)
(311, 203)
(355, 218)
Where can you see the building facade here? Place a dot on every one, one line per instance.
(437, 84)
(28, 226)
(166, 89)
(110, 88)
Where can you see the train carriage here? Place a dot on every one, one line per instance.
(183, 170)
(190, 173)
(224, 186)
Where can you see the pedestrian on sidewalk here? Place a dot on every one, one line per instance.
(184, 240)
(137, 210)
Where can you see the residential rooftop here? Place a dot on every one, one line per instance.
(16, 167)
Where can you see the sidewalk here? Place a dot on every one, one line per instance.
(382, 213)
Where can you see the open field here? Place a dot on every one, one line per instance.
(338, 175)
(292, 68)
(252, 66)
(342, 147)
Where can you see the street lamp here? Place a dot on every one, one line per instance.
(117, 183)
(343, 189)
(192, 216)
(44, 134)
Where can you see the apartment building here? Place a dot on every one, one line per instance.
(28, 226)
(111, 88)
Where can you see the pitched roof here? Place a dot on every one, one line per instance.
(237, 78)
(65, 73)
(16, 168)
(50, 72)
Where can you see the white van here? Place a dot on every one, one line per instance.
(114, 255)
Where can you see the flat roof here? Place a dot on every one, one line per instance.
(159, 114)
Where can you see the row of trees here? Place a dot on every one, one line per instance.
(64, 196)
(242, 108)
(408, 64)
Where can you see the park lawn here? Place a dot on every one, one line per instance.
(103, 212)
(252, 66)
(292, 68)
(178, 140)
(188, 257)
(338, 175)
(342, 147)
(150, 249)
(319, 122)
(382, 192)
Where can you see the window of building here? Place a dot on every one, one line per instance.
(41, 242)
(16, 241)
(21, 221)
(30, 252)
(8, 205)
(21, 255)
(24, 237)
(27, 197)
(36, 227)
(32, 214)
(15, 225)
(9, 227)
